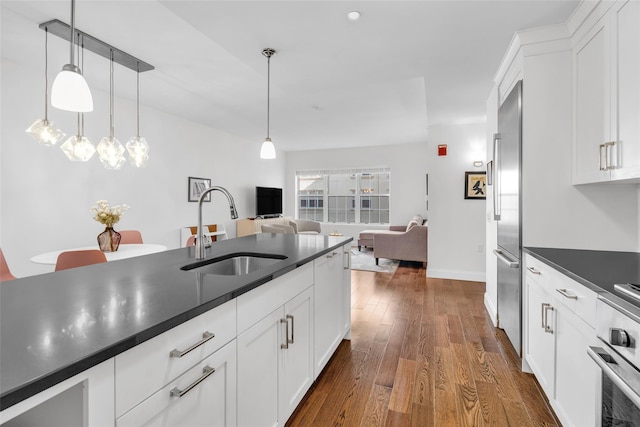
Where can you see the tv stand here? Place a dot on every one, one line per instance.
(246, 227)
(268, 216)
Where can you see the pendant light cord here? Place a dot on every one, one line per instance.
(268, 89)
(138, 101)
(111, 98)
(73, 32)
(46, 74)
(81, 61)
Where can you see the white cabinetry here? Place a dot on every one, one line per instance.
(346, 291)
(559, 326)
(275, 359)
(205, 395)
(328, 307)
(607, 96)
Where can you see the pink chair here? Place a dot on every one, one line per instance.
(130, 237)
(5, 273)
(191, 241)
(72, 259)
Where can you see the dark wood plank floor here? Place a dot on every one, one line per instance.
(423, 353)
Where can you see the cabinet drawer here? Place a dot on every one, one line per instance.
(261, 301)
(566, 291)
(210, 402)
(144, 369)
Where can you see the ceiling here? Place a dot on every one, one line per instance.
(384, 79)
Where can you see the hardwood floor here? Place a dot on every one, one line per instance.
(423, 352)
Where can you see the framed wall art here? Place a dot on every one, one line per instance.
(475, 185)
(197, 187)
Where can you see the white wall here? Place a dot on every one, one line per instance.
(456, 224)
(491, 287)
(408, 163)
(45, 198)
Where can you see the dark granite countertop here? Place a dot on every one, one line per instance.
(597, 270)
(56, 325)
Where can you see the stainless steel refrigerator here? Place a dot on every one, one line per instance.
(507, 157)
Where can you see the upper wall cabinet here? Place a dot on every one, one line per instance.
(607, 97)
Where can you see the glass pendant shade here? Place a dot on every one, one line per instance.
(138, 150)
(78, 148)
(111, 153)
(70, 91)
(45, 132)
(268, 150)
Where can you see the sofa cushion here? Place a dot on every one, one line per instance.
(416, 220)
(368, 234)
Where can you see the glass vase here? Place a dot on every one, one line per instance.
(109, 240)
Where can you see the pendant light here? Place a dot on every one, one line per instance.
(70, 90)
(42, 130)
(110, 150)
(78, 148)
(268, 151)
(137, 146)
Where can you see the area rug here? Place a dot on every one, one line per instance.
(364, 260)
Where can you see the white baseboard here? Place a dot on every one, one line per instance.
(474, 276)
(491, 309)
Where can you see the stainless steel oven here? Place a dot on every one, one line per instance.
(618, 328)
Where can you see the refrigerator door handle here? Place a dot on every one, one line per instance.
(496, 178)
(502, 257)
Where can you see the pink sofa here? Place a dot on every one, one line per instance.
(405, 243)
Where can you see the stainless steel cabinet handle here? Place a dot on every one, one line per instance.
(566, 294)
(547, 328)
(600, 148)
(329, 255)
(542, 318)
(206, 336)
(206, 372)
(533, 270)
(347, 264)
(501, 257)
(286, 334)
(293, 322)
(496, 178)
(607, 150)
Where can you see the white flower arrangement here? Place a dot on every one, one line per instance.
(107, 214)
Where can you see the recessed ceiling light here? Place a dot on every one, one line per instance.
(354, 15)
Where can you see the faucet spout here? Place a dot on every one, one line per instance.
(200, 233)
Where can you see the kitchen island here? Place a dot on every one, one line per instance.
(58, 325)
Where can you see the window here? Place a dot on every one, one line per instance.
(344, 196)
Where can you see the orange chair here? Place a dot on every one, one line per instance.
(5, 273)
(130, 237)
(72, 259)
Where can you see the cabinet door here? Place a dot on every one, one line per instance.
(346, 291)
(258, 349)
(540, 350)
(211, 402)
(625, 21)
(592, 110)
(576, 374)
(327, 308)
(296, 361)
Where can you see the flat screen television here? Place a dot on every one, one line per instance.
(268, 202)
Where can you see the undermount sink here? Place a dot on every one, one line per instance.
(234, 264)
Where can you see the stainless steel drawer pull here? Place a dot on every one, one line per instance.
(347, 264)
(565, 293)
(542, 317)
(206, 336)
(206, 372)
(286, 334)
(533, 270)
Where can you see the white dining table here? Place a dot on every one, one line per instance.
(124, 251)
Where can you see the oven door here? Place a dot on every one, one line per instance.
(619, 394)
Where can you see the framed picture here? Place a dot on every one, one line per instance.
(197, 187)
(490, 172)
(475, 185)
